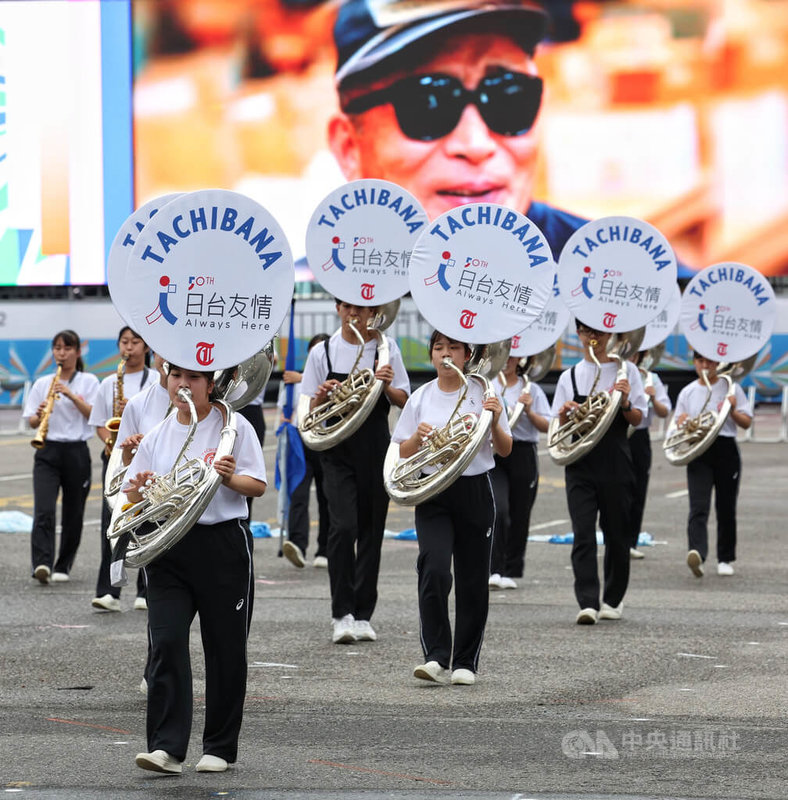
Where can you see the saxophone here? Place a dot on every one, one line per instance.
(113, 423)
(39, 440)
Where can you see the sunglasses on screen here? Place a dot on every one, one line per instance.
(429, 107)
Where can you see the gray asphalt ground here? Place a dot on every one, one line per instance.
(685, 697)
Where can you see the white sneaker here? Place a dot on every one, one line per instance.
(611, 612)
(507, 583)
(143, 687)
(344, 630)
(586, 616)
(495, 581)
(140, 603)
(363, 631)
(724, 568)
(294, 554)
(41, 573)
(108, 603)
(59, 577)
(432, 671)
(159, 761)
(695, 563)
(210, 763)
(635, 553)
(463, 677)
(320, 562)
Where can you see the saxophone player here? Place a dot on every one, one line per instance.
(59, 407)
(132, 376)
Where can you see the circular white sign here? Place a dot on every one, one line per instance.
(124, 241)
(728, 312)
(616, 273)
(210, 279)
(481, 273)
(664, 323)
(546, 328)
(359, 241)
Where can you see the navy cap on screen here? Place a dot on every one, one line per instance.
(369, 31)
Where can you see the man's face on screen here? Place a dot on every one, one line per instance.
(469, 164)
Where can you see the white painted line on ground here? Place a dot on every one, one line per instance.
(550, 524)
(694, 655)
(22, 476)
(680, 493)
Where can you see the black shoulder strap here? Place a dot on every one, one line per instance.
(574, 382)
(328, 357)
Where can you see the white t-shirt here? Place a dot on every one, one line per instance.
(343, 355)
(524, 430)
(132, 385)
(160, 447)
(66, 424)
(692, 398)
(429, 404)
(144, 411)
(661, 396)
(585, 373)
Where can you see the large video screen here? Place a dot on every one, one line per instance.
(66, 175)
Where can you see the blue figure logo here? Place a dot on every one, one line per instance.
(162, 309)
(334, 261)
(440, 275)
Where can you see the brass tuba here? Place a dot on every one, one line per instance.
(352, 401)
(589, 422)
(39, 440)
(450, 449)
(684, 443)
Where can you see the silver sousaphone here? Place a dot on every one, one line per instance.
(357, 244)
(615, 274)
(452, 278)
(727, 315)
(450, 449)
(256, 280)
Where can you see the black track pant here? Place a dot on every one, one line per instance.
(719, 468)
(59, 466)
(515, 481)
(455, 525)
(207, 573)
(640, 448)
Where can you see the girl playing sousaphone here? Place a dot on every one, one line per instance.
(455, 525)
(188, 482)
(444, 443)
(726, 310)
(351, 381)
(616, 286)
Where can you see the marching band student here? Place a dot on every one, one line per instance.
(718, 468)
(63, 463)
(353, 472)
(208, 572)
(136, 376)
(298, 517)
(456, 524)
(515, 478)
(640, 447)
(600, 483)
